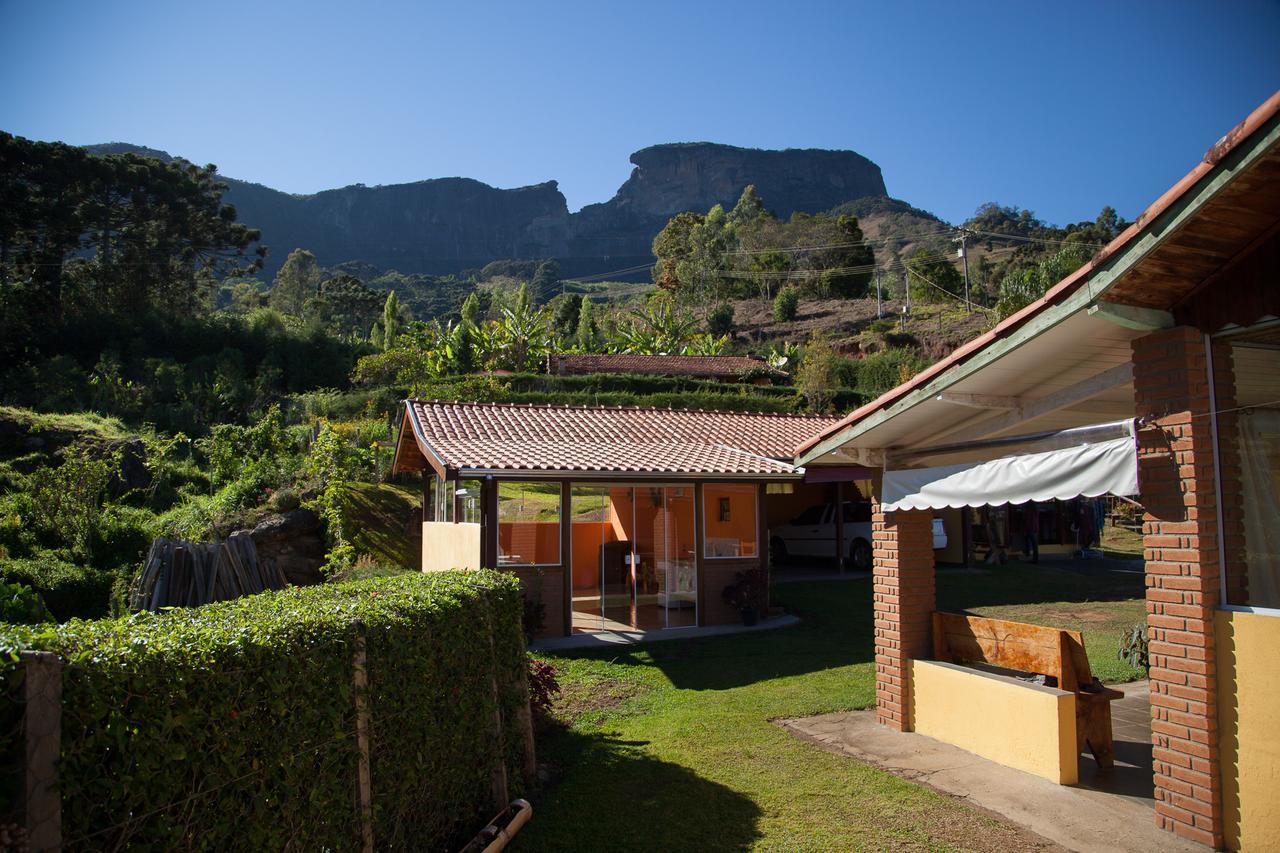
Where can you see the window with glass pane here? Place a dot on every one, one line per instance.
(528, 524)
(1252, 506)
(729, 520)
(467, 501)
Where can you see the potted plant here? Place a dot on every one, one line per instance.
(748, 594)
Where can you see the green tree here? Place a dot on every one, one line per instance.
(121, 233)
(567, 312)
(786, 304)
(816, 376)
(720, 319)
(749, 208)
(1024, 286)
(588, 333)
(546, 280)
(345, 306)
(471, 310)
(390, 321)
(931, 277)
(673, 247)
(297, 281)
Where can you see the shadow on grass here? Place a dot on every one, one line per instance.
(611, 795)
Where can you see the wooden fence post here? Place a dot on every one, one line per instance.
(360, 680)
(42, 730)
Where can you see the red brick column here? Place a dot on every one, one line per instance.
(1181, 550)
(903, 587)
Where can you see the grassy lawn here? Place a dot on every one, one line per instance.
(382, 519)
(671, 745)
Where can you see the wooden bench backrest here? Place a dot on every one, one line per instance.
(1013, 645)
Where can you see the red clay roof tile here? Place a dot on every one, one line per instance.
(605, 439)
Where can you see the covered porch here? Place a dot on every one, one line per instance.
(1170, 332)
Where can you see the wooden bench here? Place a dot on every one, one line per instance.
(1055, 653)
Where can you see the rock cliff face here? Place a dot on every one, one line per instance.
(449, 224)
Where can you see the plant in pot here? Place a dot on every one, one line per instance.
(748, 594)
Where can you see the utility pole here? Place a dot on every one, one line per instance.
(879, 309)
(964, 236)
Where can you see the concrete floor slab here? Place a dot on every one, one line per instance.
(1081, 817)
(605, 639)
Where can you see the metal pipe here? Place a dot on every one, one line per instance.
(1217, 470)
(1074, 435)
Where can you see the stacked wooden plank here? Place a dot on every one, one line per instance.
(188, 574)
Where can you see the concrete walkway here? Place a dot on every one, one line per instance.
(1082, 817)
(607, 639)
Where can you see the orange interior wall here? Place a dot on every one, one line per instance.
(742, 515)
(543, 535)
(588, 536)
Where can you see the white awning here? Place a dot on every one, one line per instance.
(1081, 470)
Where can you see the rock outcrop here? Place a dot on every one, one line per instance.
(450, 224)
(293, 542)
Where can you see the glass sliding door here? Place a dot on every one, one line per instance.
(589, 524)
(633, 564)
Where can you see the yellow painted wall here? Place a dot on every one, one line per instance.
(450, 546)
(1249, 727)
(1021, 725)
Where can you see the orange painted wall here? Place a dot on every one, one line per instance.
(588, 536)
(534, 541)
(741, 525)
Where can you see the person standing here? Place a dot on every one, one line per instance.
(1031, 531)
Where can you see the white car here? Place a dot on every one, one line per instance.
(813, 534)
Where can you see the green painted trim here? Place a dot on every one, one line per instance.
(1094, 286)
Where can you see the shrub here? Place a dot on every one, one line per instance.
(543, 685)
(720, 319)
(1133, 647)
(21, 605)
(786, 304)
(749, 590)
(233, 725)
(69, 591)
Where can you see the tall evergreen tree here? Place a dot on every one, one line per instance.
(297, 281)
(390, 321)
(588, 333)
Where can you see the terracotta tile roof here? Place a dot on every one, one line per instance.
(659, 365)
(607, 439)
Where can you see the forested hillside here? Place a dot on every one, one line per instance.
(156, 382)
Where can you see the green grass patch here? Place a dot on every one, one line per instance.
(80, 422)
(384, 523)
(671, 745)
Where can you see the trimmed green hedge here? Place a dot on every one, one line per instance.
(232, 726)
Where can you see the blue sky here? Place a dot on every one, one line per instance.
(1057, 107)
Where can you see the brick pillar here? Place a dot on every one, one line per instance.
(1181, 550)
(902, 578)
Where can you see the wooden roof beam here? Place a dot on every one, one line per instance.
(1030, 409)
(1132, 316)
(978, 401)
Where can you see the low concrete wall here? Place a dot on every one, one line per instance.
(1024, 726)
(446, 545)
(1248, 720)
